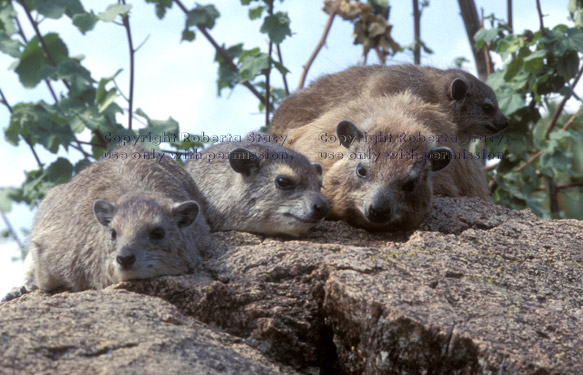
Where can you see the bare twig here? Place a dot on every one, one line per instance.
(553, 196)
(540, 17)
(486, 49)
(320, 44)
(268, 73)
(222, 53)
(12, 232)
(286, 87)
(416, 32)
(126, 24)
(26, 139)
(509, 9)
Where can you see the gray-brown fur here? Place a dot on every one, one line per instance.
(396, 202)
(243, 193)
(470, 104)
(152, 203)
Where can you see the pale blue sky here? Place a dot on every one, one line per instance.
(178, 79)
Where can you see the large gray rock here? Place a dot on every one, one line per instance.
(479, 289)
(116, 332)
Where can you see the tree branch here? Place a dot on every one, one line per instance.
(540, 17)
(509, 22)
(26, 139)
(561, 105)
(553, 197)
(268, 73)
(51, 61)
(320, 44)
(41, 39)
(25, 40)
(416, 32)
(12, 232)
(126, 24)
(286, 87)
(565, 127)
(223, 54)
(472, 25)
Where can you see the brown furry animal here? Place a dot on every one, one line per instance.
(259, 187)
(131, 215)
(383, 160)
(470, 104)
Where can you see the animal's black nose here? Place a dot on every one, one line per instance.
(379, 213)
(126, 261)
(321, 208)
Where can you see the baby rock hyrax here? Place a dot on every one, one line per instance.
(470, 104)
(383, 161)
(259, 187)
(131, 215)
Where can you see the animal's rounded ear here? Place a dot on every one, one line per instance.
(440, 157)
(458, 89)
(103, 211)
(347, 132)
(185, 213)
(317, 167)
(243, 161)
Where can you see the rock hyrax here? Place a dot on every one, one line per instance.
(259, 187)
(383, 161)
(470, 104)
(131, 215)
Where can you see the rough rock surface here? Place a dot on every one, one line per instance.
(479, 289)
(116, 332)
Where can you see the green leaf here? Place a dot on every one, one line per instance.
(161, 6)
(6, 198)
(277, 27)
(568, 65)
(60, 171)
(85, 21)
(202, 16)
(56, 8)
(510, 102)
(252, 62)
(103, 97)
(255, 13)
(513, 68)
(227, 77)
(9, 46)
(113, 11)
(33, 58)
(484, 36)
(7, 17)
(188, 35)
(39, 123)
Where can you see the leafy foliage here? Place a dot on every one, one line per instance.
(539, 68)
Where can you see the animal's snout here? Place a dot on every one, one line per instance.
(320, 208)
(125, 261)
(380, 211)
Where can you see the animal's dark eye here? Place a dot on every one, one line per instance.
(488, 108)
(113, 235)
(284, 183)
(361, 171)
(157, 234)
(410, 185)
